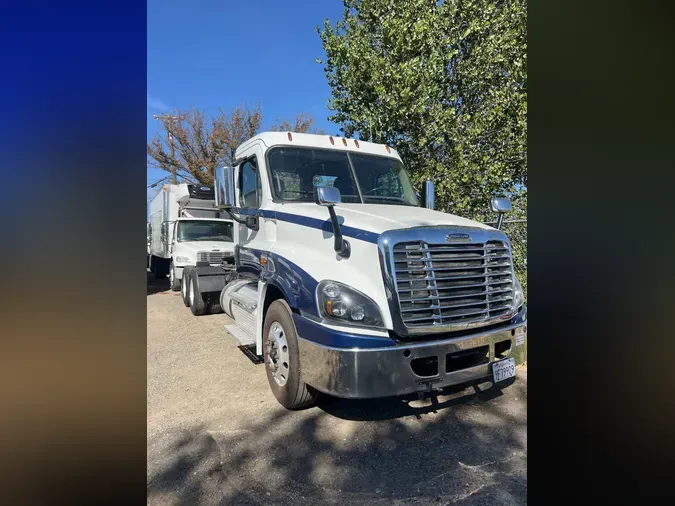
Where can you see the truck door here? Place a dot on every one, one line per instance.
(172, 237)
(252, 196)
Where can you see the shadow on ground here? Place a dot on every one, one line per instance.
(157, 285)
(464, 447)
(399, 407)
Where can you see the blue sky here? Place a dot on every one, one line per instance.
(219, 54)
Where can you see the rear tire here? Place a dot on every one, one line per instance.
(173, 282)
(214, 304)
(282, 359)
(195, 299)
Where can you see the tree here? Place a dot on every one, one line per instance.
(442, 82)
(190, 147)
(303, 123)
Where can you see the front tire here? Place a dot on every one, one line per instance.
(282, 359)
(185, 284)
(195, 299)
(173, 282)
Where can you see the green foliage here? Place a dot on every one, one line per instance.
(445, 84)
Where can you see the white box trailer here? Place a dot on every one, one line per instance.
(185, 229)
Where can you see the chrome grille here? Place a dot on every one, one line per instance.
(445, 284)
(212, 257)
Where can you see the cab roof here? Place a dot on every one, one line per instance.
(271, 139)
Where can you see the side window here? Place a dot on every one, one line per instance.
(249, 184)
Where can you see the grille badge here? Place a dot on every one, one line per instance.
(457, 237)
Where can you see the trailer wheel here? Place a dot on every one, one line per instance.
(184, 286)
(175, 283)
(282, 358)
(195, 299)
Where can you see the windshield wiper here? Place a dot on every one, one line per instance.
(390, 200)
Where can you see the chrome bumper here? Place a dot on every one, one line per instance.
(387, 371)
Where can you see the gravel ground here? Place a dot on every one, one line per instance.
(216, 435)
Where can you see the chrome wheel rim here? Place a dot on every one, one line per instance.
(183, 287)
(277, 356)
(192, 294)
(171, 275)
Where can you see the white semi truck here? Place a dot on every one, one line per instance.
(185, 229)
(342, 282)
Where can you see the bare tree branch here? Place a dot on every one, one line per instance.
(192, 146)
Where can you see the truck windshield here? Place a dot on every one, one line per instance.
(202, 230)
(361, 179)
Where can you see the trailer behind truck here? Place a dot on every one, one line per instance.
(185, 229)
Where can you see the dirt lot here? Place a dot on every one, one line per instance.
(216, 435)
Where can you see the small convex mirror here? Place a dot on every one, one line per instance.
(501, 205)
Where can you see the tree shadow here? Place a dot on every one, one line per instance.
(468, 449)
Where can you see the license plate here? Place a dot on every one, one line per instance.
(504, 369)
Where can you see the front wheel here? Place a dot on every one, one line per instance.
(184, 283)
(174, 283)
(282, 359)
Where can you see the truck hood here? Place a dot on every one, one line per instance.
(379, 218)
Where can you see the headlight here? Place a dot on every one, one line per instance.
(183, 260)
(519, 296)
(345, 305)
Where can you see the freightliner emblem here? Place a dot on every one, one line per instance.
(457, 237)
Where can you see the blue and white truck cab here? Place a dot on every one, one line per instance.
(343, 283)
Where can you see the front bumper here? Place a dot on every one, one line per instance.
(388, 371)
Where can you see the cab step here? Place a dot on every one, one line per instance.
(249, 351)
(243, 337)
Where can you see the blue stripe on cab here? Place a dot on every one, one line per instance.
(312, 331)
(306, 221)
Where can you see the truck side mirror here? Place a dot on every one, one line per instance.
(329, 196)
(501, 206)
(224, 186)
(429, 194)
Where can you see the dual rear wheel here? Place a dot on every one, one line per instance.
(199, 303)
(192, 298)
